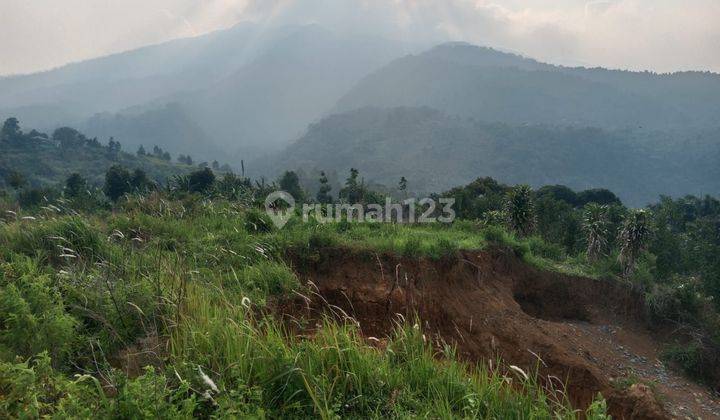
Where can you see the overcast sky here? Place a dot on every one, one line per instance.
(659, 35)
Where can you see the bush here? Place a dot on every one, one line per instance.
(270, 278)
(688, 357)
(257, 221)
(495, 234)
(320, 239)
(412, 247)
(443, 248)
(35, 197)
(678, 302)
(544, 249)
(69, 237)
(33, 314)
(35, 390)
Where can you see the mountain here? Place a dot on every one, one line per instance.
(169, 127)
(489, 85)
(436, 151)
(264, 105)
(242, 91)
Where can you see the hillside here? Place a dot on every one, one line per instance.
(169, 127)
(435, 152)
(43, 162)
(492, 86)
(202, 308)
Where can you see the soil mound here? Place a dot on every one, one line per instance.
(579, 331)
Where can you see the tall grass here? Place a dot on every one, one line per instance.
(79, 290)
(337, 373)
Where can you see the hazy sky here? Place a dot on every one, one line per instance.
(660, 35)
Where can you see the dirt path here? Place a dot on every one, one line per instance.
(589, 333)
(626, 354)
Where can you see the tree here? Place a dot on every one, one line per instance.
(634, 237)
(75, 185)
(185, 159)
(215, 165)
(93, 142)
(352, 192)
(323, 195)
(201, 181)
(519, 210)
(117, 182)
(68, 138)
(139, 181)
(596, 227)
(290, 183)
(558, 192)
(599, 196)
(16, 180)
(402, 185)
(36, 135)
(10, 130)
(166, 156)
(141, 151)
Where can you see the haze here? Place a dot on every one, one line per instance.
(658, 35)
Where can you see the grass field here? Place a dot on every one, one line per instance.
(87, 300)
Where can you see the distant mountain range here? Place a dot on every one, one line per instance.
(305, 97)
(492, 86)
(241, 92)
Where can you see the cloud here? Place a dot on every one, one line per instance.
(661, 35)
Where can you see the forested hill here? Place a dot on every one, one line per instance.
(435, 151)
(493, 86)
(36, 159)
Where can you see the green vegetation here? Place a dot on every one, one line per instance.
(33, 160)
(442, 150)
(177, 287)
(170, 288)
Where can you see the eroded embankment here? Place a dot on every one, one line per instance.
(490, 304)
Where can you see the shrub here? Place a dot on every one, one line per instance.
(33, 314)
(257, 221)
(69, 236)
(269, 278)
(443, 248)
(688, 357)
(412, 247)
(676, 302)
(544, 249)
(320, 239)
(495, 234)
(35, 390)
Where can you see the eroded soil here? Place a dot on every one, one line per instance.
(588, 334)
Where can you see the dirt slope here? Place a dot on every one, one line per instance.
(587, 333)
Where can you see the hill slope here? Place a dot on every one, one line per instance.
(43, 163)
(435, 151)
(489, 85)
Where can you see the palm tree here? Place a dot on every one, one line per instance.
(596, 227)
(633, 240)
(520, 210)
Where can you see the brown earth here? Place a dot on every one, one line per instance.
(588, 334)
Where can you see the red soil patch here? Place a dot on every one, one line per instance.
(491, 304)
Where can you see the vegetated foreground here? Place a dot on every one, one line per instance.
(171, 310)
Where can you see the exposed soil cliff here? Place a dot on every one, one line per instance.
(585, 333)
